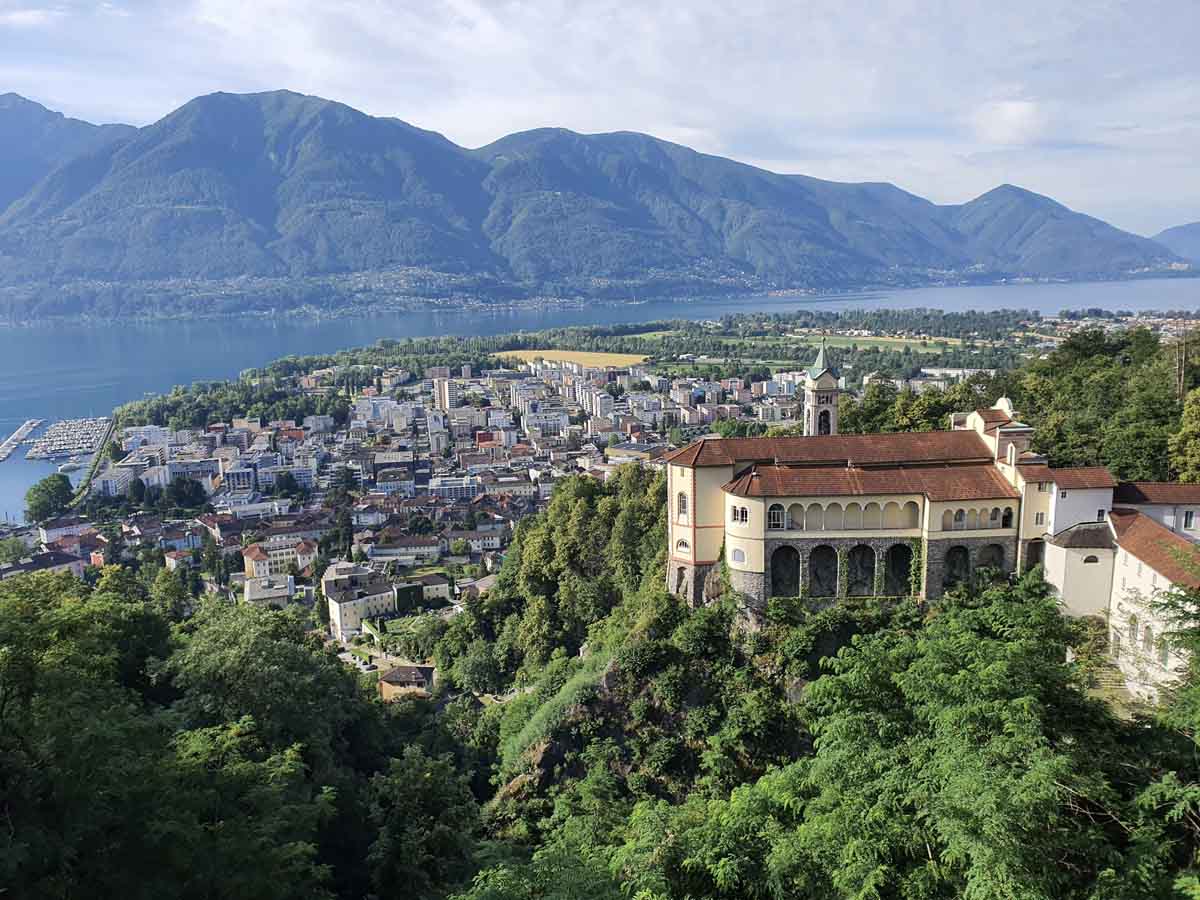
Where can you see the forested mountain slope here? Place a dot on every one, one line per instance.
(284, 187)
(35, 140)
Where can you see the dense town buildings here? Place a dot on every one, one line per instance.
(442, 467)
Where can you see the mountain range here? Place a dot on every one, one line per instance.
(232, 198)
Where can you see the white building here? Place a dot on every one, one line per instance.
(354, 593)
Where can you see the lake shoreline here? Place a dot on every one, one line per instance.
(383, 308)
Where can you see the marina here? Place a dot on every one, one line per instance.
(15, 439)
(70, 437)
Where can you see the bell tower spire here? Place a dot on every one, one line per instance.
(821, 395)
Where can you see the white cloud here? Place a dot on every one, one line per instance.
(1008, 122)
(27, 17)
(1091, 103)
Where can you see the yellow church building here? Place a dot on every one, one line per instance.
(833, 515)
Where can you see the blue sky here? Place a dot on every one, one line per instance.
(1096, 104)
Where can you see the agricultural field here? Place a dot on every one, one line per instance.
(581, 357)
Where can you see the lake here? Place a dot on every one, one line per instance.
(65, 371)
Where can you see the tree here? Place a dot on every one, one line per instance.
(48, 498)
(170, 594)
(114, 546)
(1185, 443)
(12, 549)
(186, 493)
(136, 491)
(287, 486)
(460, 547)
(425, 818)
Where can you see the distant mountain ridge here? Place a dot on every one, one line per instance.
(35, 140)
(1183, 240)
(282, 188)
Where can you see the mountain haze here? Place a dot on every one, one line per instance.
(285, 187)
(1183, 240)
(35, 140)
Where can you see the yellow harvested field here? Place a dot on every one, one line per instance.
(582, 357)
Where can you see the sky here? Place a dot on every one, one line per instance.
(1096, 104)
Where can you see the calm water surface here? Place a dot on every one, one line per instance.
(65, 371)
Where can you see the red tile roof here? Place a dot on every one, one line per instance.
(913, 448)
(1172, 556)
(1073, 478)
(1170, 492)
(978, 481)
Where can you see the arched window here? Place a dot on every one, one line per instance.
(775, 516)
(1090, 560)
(1132, 633)
(739, 556)
(681, 504)
(994, 517)
(1148, 640)
(1006, 519)
(745, 515)
(960, 519)
(733, 514)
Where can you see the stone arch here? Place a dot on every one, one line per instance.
(680, 579)
(814, 518)
(892, 516)
(834, 517)
(957, 568)
(1035, 553)
(854, 517)
(912, 515)
(823, 572)
(824, 422)
(948, 520)
(785, 572)
(796, 516)
(897, 570)
(991, 556)
(860, 571)
(872, 517)
(972, 520)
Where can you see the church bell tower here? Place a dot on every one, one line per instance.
(821, 395)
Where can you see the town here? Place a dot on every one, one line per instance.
(401, 501)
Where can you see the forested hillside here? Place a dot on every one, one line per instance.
(592, 738)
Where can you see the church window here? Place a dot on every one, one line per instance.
(775, 516)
